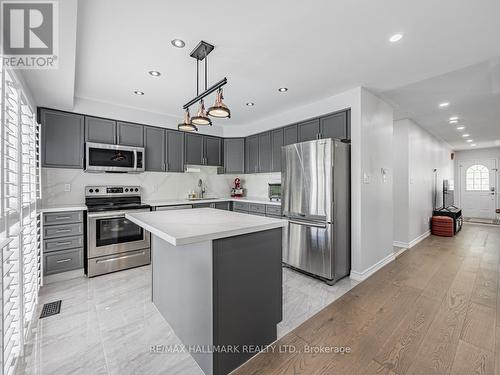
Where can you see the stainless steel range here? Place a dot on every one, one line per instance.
(113, 242)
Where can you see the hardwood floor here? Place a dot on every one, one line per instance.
(434, 310)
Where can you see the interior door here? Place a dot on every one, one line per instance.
(478, 188)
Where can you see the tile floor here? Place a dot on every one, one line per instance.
(108, 324)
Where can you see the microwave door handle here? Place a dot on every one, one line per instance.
(135, 160)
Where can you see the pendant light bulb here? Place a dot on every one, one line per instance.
(201, 117)
(219, 109)
(186, 124)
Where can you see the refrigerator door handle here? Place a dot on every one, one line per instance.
(308, 223)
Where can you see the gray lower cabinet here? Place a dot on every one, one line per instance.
(100, 130)
(234, 155)
(240, 206)
(335, 126)
(193, 149)
(265, 152)
(308, 131)
(174, 152)
(63, 242)
(290, 135)
(128, 134)
(276, 145)
(202, 205)
(223, 206)
(273, 211)
(154, 145)
(252, 154)
(257, 209)
(62, 139)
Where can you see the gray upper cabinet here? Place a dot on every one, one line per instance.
(62, 139)
(252, 154)
(193, 149)
(265, 153)
(175, 151)
(334, 126)
(130, 134)
(290, 135)
(276, 144)
(100, 130)
(213, 151)
(154, 145)
(234, 155)
(308, 130)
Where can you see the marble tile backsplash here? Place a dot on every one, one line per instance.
(156, 185)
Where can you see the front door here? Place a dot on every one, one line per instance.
(478, 188)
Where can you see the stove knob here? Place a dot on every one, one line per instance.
(136, 189)
(97, 190)
(91, 190)
(126, 190)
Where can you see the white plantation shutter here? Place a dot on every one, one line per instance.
(18, 218)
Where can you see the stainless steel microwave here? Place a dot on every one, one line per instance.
(102, 157)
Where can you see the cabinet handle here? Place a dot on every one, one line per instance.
(63, 243)
(63, 230)
(63, 260)
(63, 217)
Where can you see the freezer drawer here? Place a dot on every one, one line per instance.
(309, 247)
(117, 262)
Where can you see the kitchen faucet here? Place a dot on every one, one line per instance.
(202, 187)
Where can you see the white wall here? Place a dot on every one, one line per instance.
(420, 153)
(475, 154)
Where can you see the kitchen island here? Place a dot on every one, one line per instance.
(217, 280)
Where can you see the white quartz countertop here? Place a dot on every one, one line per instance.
(181, 227)
(62, 208)
(175, 202)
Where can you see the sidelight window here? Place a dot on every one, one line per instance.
(477, 178)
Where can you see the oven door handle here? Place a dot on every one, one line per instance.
(113, 214)
(121, 257)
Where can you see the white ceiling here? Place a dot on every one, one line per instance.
(474, 97)
(315, 48)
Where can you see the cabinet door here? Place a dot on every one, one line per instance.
(130, 134)
(276, 144)
(252, 154)
(193, 149)
(62, 139)
(334, 126)
(175, 151)
(100, 130)
(154, 145)
(290, 135)
(309, 130)
(234, 155)
(265, 153)
(213, 151)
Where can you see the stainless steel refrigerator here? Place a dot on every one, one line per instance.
(316, 196)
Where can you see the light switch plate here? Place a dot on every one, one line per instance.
(366, 178)
(67, 187)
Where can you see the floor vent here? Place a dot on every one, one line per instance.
(51, 308)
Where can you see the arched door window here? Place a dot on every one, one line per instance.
(477, 178)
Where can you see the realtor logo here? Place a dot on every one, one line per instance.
(29, 34)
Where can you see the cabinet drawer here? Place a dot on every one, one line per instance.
(61, 261)
(240, 206)
(62, 243)
(273, 210)
(62, 230)
(51, 218)
(241, 211)
(257, 208)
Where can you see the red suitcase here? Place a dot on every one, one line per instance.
(442, 226)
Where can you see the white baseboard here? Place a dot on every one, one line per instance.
(400, 244)
(360, 276)
(409, 245)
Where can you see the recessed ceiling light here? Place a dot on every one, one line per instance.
(396, 38)
(283, 89)
(454, 118)
(469, 140)
(444, 104)
(178, 43)
(453, 121)
(465, 135)
(473, 145)
(460, 127)
(154, 73)
(250, 104)
(138, 92)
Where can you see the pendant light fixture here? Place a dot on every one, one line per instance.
(186, 124)
(219, 109)
(201, 117)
